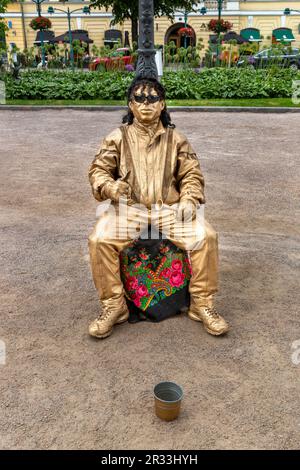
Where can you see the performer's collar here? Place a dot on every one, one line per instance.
(153, 129)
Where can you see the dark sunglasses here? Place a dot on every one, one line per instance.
(149, 98)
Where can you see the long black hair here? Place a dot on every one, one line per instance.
(153, 84)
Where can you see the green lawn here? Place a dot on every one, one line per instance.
(268, 102)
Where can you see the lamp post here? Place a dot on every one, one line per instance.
(146, 65)
(39, 12)
(185, 16)
(69, 12)
(185, 25)
(203, 11)
(288, 11)
(220, 6)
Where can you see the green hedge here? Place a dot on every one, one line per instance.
(230, 83)
(210, 83)
(47, 84)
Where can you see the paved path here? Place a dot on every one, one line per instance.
(60, 388)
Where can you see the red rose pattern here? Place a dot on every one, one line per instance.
(174, 275)
(136, 300)
(176, 279)
(176, 265)
(166, 272)
(142, 291)
(131, 283)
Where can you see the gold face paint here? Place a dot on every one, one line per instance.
(146, 112)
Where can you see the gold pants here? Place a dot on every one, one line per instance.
(200, 240)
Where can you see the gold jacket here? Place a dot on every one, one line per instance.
(158, 163)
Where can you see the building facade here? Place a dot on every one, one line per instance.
(262, 16)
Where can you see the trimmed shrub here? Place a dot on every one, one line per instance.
(209, 83)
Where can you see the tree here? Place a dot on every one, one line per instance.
(3, 26)
(3, 5)
(129, 10)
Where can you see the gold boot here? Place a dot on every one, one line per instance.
(212, 321)
(113, 313)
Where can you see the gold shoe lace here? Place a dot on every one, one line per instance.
(212, 312)
(104, 314)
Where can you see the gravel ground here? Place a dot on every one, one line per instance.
(60, 388)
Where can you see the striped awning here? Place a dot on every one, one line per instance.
(283, 35)
(251, 34)
(79, 35)
(47, 35)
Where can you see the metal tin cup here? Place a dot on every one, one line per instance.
(167, 396)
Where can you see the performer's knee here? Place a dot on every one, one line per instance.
(96, 239)
(211, 236)
(93, 238)
(101, 231)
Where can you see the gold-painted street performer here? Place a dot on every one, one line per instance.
(151, 174)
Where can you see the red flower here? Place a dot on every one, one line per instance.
(176, 279)
(144, 256)
(219, 26)
(131, 283)
(136, 299)
(177, 265)
(142, 291)
(41, 22)
(138, 264)
(166, 272)
(186, 32)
